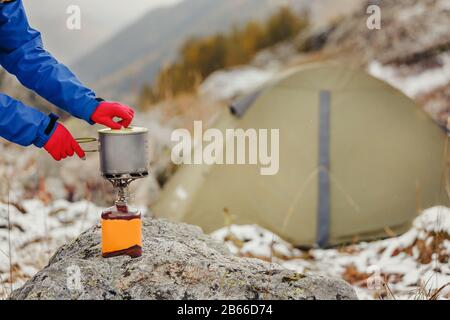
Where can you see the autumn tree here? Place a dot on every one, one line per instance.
(201, 56)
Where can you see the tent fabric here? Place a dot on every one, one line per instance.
(385, 163)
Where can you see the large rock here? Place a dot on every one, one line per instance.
(179, 262)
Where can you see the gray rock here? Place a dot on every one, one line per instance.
(179, 262)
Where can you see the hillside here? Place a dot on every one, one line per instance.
(70, 45)
(120, 65)
(139, 51)
(410, 52)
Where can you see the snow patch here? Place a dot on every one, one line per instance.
(225, 85)
(402, 271)
(415, 84)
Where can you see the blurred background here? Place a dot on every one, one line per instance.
(176, 61)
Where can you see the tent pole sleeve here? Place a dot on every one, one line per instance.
(323, 214)
(239, 107)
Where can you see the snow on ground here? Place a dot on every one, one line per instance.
(228, 84)
(414, 84)
(411, 266)
(37, 231)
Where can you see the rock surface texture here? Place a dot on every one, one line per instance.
(179, 262)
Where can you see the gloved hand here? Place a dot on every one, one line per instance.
(62, 145)
(106, 111)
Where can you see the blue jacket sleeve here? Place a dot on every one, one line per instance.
(22, 54)
(21, 124)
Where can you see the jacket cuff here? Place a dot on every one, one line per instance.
(89, 110)
(45, 130)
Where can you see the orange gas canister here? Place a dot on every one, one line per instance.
(121, 232)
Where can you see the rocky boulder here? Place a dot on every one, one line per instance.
(179, 262)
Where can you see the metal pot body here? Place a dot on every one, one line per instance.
(124, 153)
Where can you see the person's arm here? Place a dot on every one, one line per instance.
(22, 54)
(23, 125)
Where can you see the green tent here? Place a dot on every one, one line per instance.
(358, 160)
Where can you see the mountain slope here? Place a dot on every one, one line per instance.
(138, 52)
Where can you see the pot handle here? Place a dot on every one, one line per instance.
(87, 140)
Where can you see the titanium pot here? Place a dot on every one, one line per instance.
(123, 153)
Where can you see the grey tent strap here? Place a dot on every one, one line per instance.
(323, 211)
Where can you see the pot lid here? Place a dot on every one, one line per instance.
(129, 130)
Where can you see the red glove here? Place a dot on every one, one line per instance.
(62, 145)
(107, 111)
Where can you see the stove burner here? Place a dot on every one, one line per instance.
(124, 176)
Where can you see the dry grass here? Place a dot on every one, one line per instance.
(429, 249)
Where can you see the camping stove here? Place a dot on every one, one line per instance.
(123, 159)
